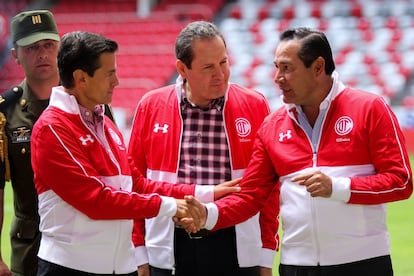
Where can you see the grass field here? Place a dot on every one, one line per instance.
(400, 223)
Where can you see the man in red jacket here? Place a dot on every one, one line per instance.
(35, 41)
(338, 155)
(201, 130)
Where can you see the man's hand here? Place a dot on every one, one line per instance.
(144, 270)
(264, 271)
(191, 214)
(186, 216)
(201, 211)
(317, 183)
(4, 270)
(226, 188)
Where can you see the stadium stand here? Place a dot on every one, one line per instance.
(146, 55)
(372, 41)
(7, 10)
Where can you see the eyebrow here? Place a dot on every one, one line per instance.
(282, 62)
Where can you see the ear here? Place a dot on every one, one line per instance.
(319, 66)
(79, 77)
(13, 53)
(181, 68)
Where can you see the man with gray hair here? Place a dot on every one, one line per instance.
(201, 130)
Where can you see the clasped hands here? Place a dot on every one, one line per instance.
(192, 214)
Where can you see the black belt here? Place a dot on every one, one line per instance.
(198, 235)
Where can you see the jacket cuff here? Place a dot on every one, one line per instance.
(168, 207)
(204, 193)
(268, 257)
(341, 188)
(141, 255)
(212, 215)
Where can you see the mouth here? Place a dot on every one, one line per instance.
(285, 90)
(43, 65)
(217, 84)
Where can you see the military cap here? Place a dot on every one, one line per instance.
(10, 96)
(29, 27)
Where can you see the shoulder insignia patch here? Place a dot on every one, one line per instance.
(10, 96)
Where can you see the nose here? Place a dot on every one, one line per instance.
(219, 72)
(279, 77)
(42, 53)
(116, 83)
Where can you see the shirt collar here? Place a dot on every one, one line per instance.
(214, 104)
(92, 117)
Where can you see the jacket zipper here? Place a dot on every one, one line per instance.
(314, 217)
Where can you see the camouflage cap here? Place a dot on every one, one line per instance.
(29, 27)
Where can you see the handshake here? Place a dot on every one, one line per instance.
(192, 214)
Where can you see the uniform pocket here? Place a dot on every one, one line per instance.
(23, 228)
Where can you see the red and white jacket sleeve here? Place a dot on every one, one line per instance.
(393, 178)
(259, 186)
(62, 165)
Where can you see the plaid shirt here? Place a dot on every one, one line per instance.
(204, 157)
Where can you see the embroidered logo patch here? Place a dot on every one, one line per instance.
(21, 135)
(86, 139)
(344, 125)
(285, 136)
(163, 128)
(243, 127)
(115, 137)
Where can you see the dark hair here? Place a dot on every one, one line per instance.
(200, 30)
(314, 45)
(81, 50)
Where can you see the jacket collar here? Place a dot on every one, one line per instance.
(336, 89)
(66, 102)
